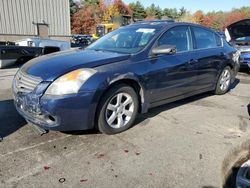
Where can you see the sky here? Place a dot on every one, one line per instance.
(192, 5)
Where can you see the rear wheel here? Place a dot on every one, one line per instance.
(117, 110)
(224, 81)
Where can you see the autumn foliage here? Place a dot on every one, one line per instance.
(88, 13)
(83, 20)
(234, 17)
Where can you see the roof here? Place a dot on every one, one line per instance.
(163, 23)
(153, 22)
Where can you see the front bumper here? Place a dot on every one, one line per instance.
(60, 113)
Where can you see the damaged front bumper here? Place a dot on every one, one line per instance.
(61, 113)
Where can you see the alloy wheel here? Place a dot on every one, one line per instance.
(119, 110)
(225, 80)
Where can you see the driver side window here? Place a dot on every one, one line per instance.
(178, 36)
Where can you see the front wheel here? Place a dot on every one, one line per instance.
(224, 81)
(117, 110)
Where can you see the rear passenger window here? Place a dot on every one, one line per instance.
(204, 38)
(177, 36)
(218, 40)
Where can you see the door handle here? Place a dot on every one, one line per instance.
(192, 61)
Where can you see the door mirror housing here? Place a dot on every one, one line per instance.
(164, 49)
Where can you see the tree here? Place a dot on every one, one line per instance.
(198, 17)
(182, 11)
(208, 21)
(154, 12)
(186, 17)
(173, 13)
(91, 2)
(110, 12)
(138, 10)
(245, 10)
(83, 21)
(234, 17)
(73, 7)
(122, 7)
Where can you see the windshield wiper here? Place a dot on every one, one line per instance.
(105, 50)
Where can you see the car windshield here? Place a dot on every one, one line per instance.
(125, 40)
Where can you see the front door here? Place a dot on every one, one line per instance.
(173, 75)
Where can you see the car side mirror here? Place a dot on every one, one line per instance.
(164, 49)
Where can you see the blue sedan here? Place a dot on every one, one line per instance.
(124, 73)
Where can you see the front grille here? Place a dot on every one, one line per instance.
(26, 83)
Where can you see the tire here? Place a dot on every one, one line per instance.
(113, 116)
(224, 81)
(234, 164)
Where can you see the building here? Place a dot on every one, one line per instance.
(21, 19)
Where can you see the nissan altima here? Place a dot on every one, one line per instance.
(126, 72)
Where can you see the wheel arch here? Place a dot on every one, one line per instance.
(132, 82)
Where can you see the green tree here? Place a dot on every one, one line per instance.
(173, 13)
(245, 10)
(138, 10)
(186, 17)
(182, 11)
(73, 7)
(154, 11)
(91, 2)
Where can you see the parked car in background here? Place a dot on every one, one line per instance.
(81, 40)
(11, 54)
(24, 50)
(124, 73)
(238, 34)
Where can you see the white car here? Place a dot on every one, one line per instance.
(238, 34)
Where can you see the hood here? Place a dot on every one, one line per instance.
(49, 67)
(238, 30)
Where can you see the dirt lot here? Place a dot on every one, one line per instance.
(181, 144)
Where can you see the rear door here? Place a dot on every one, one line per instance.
(209, 55)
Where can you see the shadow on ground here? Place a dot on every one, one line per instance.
(10, 120)
(236, 82)
(245, 70)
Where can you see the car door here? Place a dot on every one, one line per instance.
(172, 75)
(209, 54)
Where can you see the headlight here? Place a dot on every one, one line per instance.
(70, 82)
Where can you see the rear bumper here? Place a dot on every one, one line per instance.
(64, 113)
